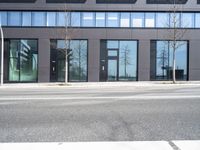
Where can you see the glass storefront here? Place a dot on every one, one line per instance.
(77, 60)
(118, 60)
(162, 60)
(23, 61)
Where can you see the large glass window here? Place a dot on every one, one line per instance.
(39, 19)
(14, 18)
(162, 60)
(137, 19)
(197, 20)
(88, 20)
(3, 18)
(112, 19)
(26, 18)
(162, 20)
(150, 20)
(75, 19)
(187, 20)
(23, 63)
(125, 20)
(118, 60)
(51, 18)
(100, 19)
(175, 20)
(63, 19)
(77, 60)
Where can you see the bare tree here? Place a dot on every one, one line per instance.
(125, 58)
(175, 35)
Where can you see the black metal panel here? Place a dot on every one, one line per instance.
(166, 1)
(117, 1)
(65, 1)
(17, 1)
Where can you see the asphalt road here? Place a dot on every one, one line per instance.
(120, 113)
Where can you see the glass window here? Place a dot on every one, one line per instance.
(197, 20)
(3, 18)
(137, 19)
(38, 18)
(128, 60)
(125, 20)
(112, 20)
(112, 44)
(14, 18)
(23, 63)
(78, 60)
(175, 20)
(150, 20)
(51, 18)
(187, 20)
(63, 19)
(163, 56)
(162, 20)
(100, 19)
(75, 19)
(112, 52)
(26, 18)
(88, 19)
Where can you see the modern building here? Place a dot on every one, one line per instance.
(108, 40)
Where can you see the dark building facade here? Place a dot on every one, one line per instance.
(106, 40)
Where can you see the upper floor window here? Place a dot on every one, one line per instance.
(112, 19)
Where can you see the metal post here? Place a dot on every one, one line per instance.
(2, 54)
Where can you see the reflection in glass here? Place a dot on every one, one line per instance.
(75, 19)
(39, 18)
(112, 19)
(162, 20)
(128, 60)
(197, 20)
(150, 20)
(51, 19)
(125, 20)
(3, 18)
(88, 20)
(112, 70)
(14, 18)
(187, 20)
(23, 61)
(100, 20)
(26, 18)
(164, 60)
(137, 19)
(175, 20)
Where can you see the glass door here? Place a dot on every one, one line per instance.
(112, 69)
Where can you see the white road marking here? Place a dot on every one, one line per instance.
(135, 145)
(147, 145)
(146, 97)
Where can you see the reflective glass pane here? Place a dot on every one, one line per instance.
(14, 18)
(75, 19)
(175, 20)
(128, 60)
(88, 19)
(137, 19)
(112, 20)
(112, 70)
(38, 18)
(197, 20)
(63, 19)
(51, 18)
(112, 53)
(78, 60)
(125, 20)
(26, 18)
(23, 61)
(112, 44)
(3, 18)
(187, 20)
(100, 19)
(162, 20)
(150, 20)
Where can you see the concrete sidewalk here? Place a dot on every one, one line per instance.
(101, 84)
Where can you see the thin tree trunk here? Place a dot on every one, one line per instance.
(66, 67)
(174, 67)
